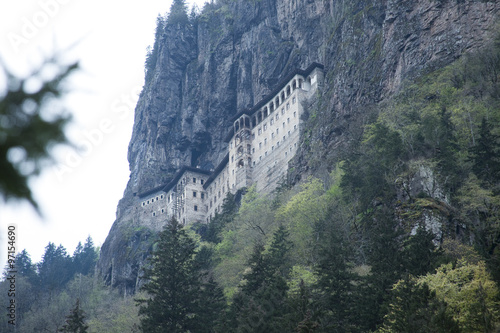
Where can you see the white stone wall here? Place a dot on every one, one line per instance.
(216, 192)
(259, 152)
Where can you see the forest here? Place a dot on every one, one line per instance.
(402, 235)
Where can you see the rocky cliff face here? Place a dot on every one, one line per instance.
(236, 51)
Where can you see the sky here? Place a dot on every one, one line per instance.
(78, 195)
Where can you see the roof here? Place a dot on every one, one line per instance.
(168, 186)
(217, 170)
(283, 82)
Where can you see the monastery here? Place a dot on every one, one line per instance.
(261, 142)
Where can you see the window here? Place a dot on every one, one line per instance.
(272, 121)
(154, 213)
(260, 131)
(283, 111)
(202, 195)
(152, 200)
(253, 163)
(265, 127)
(283, 124)
(161, 197)
(277, 131)
(288, 120)
(210, 203)
(148, 202)
(194, 194)
(144, 204)
(295, 114)
(265, 154)
(294, 127)
(260, 145)
(272, 148)
(265, 141)
(277, 116)
(260, 158)
(288, 133)
(194, 180)
(253, 150)
(288, 106)
(156, 198)
(272, 135)
(168, 199)
(293, 100)
(283, 138)
(195, 208)
(201, 181)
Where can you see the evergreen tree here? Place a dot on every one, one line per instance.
(415, 309)
(178, 298)
(486, 154)
(262, 304)
(55, 269)
(335, 284)
(178, 13)
(75, 321)
(85, 257)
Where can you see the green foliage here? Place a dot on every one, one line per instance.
(152, 53)
(469, 292)
(75, 321)
(177, 298)
(178, 13)
(31, 123)
(414, 308)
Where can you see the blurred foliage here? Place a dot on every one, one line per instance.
(31, 123)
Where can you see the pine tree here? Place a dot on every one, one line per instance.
(75, 321)
(179, 300)
(178, 13)
(486, 154)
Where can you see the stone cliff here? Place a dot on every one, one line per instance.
(234, 52)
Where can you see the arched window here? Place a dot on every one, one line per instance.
(287, 91)
(240, 150)
(236, 126)
(300, 83)
(271, 106)
(265, 113)
(282, 96)
(294, 84)
(241, 164)
(277, 101)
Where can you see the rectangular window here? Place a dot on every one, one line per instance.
(283, 124)
(293, 100)
(283, 111)
(194, 194)
(253, 150)
(288, 120)
(265, 127)
(195, 208)
(295, 114)
(194, 180)
(201, 180)
(287, 106)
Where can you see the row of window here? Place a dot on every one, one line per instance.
(150, 201)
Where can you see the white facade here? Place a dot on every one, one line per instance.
(264, 140)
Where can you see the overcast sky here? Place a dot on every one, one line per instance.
(79, 195)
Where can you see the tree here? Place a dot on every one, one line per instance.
(471, 295)
(55, 269)
(178, 13)
(85, 257)
(75, 321)
(485, 154)
(414, 308)
(177, 295)
(28, 128)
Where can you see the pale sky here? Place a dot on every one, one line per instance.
(79, 195)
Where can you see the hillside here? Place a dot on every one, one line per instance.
(203, 70)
